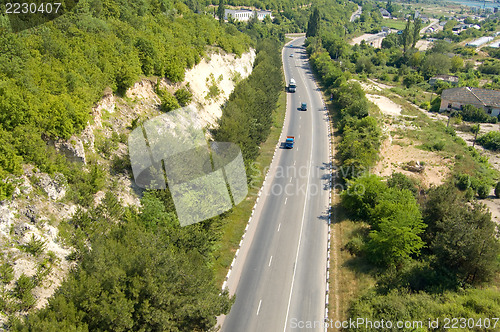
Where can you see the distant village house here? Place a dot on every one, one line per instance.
(385, 13)
(457, 98)
(246, 14)
(453, 80)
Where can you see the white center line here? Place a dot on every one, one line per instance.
(279, 227)
(286, 199)
(258, 309)
(294, 162)
(290, 179)
(270, 260)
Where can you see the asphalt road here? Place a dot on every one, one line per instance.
(279, 275)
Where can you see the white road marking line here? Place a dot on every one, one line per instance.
(270, 260)
(290, 179)
(279, 226)
(286, 198)
(258, 309)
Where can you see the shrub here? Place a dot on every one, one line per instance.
(435, 146)
(168, 101)
(483, 191)
(469, 194)
(34, 246)
(451, 131)
(183, 96)
(426, 105)
(497, 189)
(490, 141)
(22, 291)
(475, 114)
(463, 181)
(401, 181)
(6, 273)
(355, 246)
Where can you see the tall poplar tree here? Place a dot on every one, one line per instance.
(221, 11)
(313, 24)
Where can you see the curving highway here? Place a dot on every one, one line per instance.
(279, 275)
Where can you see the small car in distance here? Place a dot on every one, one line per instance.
(303, 107)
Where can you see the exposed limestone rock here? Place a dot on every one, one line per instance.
(55, 188)
(73, 149)
(23, 186)
(32, 213)
(22, 228)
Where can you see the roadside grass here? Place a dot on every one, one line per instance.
(349, 275)
(236, 220)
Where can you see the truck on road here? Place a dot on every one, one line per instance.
(292, 86)
(289, 142)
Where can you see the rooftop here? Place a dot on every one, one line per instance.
(473, 96)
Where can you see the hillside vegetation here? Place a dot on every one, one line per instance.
(52, 75)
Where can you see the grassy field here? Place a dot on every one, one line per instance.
(237, 218)
(394, 24)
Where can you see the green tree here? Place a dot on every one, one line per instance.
(168, 101)
(22, 291)
(435, 63)
(457, 63)
(313, 24)
(417, 25)
(462, 236)
(221, 11)
(362, 195)
(412, 78)
(497, 190)
(406, 35)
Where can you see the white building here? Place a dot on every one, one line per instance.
(246, 14)
(495, 44)
(479, 42)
